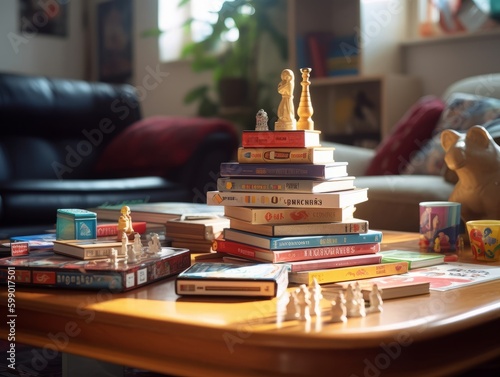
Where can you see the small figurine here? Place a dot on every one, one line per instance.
(137, 244)
(261, 121)
(375, 299)
(305, 109)
(132, 256)
(286, 109)
(291, 307)
(303, 303)
(154, 246)
(114, 257)
(338, 309)
(125, 224)
(316, 297)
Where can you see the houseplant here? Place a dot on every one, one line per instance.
(237, 80)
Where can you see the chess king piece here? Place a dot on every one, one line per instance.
(305, 109)
(286, 109)
(261, 121)
(125, 224)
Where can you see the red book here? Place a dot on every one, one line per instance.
(319, 264)
(111, 229)
(276, 139)
(292, 255)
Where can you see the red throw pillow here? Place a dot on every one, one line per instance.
(156, 144)
(412, 131)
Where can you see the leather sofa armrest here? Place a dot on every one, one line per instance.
(358, 158)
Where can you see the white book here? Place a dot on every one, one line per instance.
(337, 199)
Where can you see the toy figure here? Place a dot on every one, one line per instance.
(475, 157)
(303, 303)
(338, 309)
(316, 297)
(261, 121)
(375, 299)
(286, 109)
(125, 224)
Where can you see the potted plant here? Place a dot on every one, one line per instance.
(234, 64)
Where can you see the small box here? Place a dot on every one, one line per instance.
(76, 224)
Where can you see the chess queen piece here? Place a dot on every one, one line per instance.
(261, 121)
(305, 109)
(286, 109)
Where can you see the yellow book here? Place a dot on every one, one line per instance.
(335, 275)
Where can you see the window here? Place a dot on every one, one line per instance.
(171, 17)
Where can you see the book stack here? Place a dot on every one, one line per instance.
(288, 201)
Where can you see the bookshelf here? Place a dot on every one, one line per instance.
(371, 84)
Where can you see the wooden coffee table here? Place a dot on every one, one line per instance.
(154, 329)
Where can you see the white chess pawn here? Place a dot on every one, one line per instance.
(114, 257)
(338, 309)
(316, 297)
(376, 299)
(303, 303)
(137, 244)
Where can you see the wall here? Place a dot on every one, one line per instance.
(439, 63)
(26, 51)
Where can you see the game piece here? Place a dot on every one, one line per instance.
(137, 246)
(114, 257)
(316, 297)
(305, 109)
(154, 245)
(338, 309)
(261, 121)
(125, 224)
(303, 303)
(375, 300)
(286, 109)
(291, 307)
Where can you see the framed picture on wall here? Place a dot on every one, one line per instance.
(44, 17)
(114, 41)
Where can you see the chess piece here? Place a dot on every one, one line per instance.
(316, 297)
(303, 303)
(132, 256)
(338, 309)
(137, 246)
(114, 257)
(291, 307)
(305, 109)
(261, 121)
(286, 109)
(125, 224)
(375, 299)
(154, 244)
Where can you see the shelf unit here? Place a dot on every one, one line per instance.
(375, 29)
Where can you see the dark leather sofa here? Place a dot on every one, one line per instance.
(55, 139)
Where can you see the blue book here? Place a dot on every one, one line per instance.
(37, 241)
(323, 171)
(296, 242)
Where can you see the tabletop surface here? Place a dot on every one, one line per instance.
(153, 328)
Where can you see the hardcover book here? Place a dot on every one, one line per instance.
(158, 213)
(268, 215)
(87, 249)
(335, 275)
(297, 242)
(312, 155)
(46, 269)
(252, 170)
(338, 199)
(415, 259)
(390, 287)
(292, 138)
(196, 227)
(348, 226)
(291, 255)
(228, 279)
(285, 185)
(37, 241)
(328, 263)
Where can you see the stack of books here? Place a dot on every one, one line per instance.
(288, 201)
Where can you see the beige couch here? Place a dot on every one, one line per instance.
(394, 199)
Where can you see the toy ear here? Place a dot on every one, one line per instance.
(449, 138)
(478, 136)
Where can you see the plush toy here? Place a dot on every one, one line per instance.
(475, 157)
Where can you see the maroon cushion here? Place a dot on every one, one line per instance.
(156, 144)
(412, 131)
